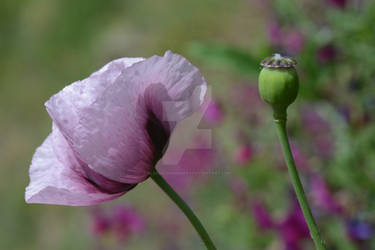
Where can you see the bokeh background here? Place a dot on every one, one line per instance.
(238, 185)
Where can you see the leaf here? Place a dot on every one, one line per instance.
(225, 56)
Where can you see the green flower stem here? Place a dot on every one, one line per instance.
(314, 231)
(185, 209)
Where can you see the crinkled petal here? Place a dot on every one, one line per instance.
(56, 177)
(119, 119)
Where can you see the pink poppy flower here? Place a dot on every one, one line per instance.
(111, 128)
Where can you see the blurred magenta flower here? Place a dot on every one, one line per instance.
(338, 3)
(126, 221)
(293, 228)
(120, 221)
(293, 42)
(195, 164)
(319, 130)
(243, 154)
(111, 128)
(240, 191)
(323, 197)
(262, 216)
(213, 114)
(100, 222)
(326, 53)
(314, 122)
(247, 95)
(300, 159)
(275, 35)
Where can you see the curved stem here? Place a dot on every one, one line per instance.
(314, 231)
(185, 209)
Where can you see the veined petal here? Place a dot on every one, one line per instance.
(56, 177)
(119, 119)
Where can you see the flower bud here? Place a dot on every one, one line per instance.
(278, 83)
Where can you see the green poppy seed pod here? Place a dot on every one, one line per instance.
(278, 83)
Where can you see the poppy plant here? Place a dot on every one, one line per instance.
(110, 129)
(278, 86)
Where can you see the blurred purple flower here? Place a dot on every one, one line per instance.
(247, 95)
(126, 221)
(313, 122)
(213, 114)
(100, 222)
(324, 146)
(111, 128)
(293, 228)
(338, 3)
(300, 159)
(243, 154)
(345, 112)
(177, 178)
(293, 42)
(275, 34)
(171, 233)
(326, 54)
(360, 230)
(121, 221)
(320, 131)
(262, 216)
(240, 191)
(195, 164)
(323, 197)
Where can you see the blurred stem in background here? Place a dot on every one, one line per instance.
(283, 137)
(159, 180)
